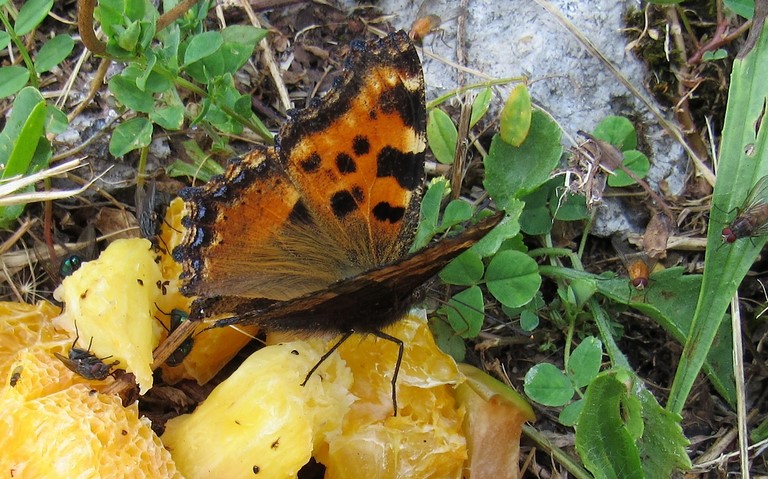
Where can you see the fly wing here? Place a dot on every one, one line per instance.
(756, 198)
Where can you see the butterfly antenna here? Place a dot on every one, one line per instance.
(243, 332)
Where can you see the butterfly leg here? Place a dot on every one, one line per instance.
(327, 355)
(399, 343)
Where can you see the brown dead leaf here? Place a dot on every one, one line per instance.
(116, 223)
(656, 236)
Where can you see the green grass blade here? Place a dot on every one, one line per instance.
(743, 160)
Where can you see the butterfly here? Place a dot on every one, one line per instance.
(311, 235)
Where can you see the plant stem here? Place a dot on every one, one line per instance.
(22, 51)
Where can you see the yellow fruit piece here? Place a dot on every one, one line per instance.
(111, 300)
(55, 425)
(25, 324)
(214, 348)
(425, 439)
(343, 417)
(260, 420)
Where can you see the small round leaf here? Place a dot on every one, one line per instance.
(547, 385)
(513, 278)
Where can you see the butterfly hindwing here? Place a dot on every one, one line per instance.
(379, 296)
(233, 224)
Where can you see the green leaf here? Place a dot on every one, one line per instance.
(568, 207)
(202, 45)
(110, 14)
(456, 212)
(512, 278)
(239, 44)
(585, 361)
(508, 228)
(547, 385)
(480, 106)
(12, 79)
(204, 167)
(513, 172)
(603, 442)
(57, 121)
(745, 8)
(442, 136)
(618, 131)
(569, 416)
(671, 301)
(662, 445)
(53, 52)
(169, 117)
(128, 38)
(465, 312)
(131, 135)
(515, 119)
(447, 339)
(635, 161)
(536, 218)
(760, 433)
(32, 13)
(127, 93)
(529, 320)
(718, 54)
(5, 39)
(466, 270)
(28, 150)
(169, 52)
(24, 147)
(13, 135)
(582, 289)
(430, 213)
(138, 10)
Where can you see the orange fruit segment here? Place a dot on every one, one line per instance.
(54, 423)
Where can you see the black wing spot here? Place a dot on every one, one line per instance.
(361, 145)
(345, 164)
(404, 103)
(311, 164)
(343, 203)
(386, 212)
(406, 168)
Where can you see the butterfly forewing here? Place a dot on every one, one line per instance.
(357, 156)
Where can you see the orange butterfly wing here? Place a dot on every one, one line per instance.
(338, 195)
